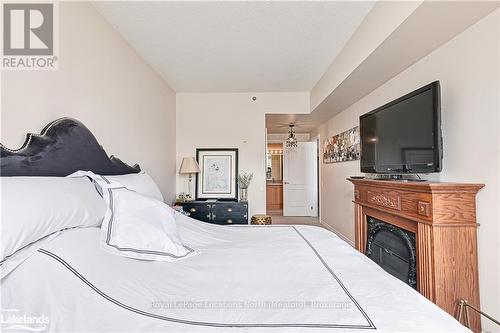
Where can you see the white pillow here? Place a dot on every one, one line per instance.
(140, 182)
(138, 226)
(34, 207)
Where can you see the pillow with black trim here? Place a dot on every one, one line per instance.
(136, 225)
(140, 182)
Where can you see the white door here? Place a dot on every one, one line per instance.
(300, 189)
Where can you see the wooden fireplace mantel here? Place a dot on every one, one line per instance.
(443, 218)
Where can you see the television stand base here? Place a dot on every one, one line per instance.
(398, 177)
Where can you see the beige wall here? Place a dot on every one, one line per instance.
(380, 22)
(468, 68)
(232, 120)
(105, 84)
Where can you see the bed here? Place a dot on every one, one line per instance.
(279, 278)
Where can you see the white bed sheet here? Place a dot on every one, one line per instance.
(246, 278)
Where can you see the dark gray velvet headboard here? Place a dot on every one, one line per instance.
(63, 147)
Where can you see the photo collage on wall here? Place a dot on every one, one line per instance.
(342, 147)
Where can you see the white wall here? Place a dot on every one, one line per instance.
(468, 68)
(232, 120)
(104, 83)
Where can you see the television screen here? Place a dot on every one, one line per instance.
(403, 136)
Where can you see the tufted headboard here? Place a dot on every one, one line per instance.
(63, 147)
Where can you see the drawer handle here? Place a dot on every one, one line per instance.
(192, 210)
(213, 216)
(209, 216)
(230, 210)
(229, 221)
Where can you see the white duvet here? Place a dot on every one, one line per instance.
(245, 278)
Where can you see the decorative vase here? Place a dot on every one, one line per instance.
(243, 194)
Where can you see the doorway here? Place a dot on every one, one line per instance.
(300, 180)
(292, 191)
(274, 179)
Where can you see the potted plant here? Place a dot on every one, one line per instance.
(244, 180)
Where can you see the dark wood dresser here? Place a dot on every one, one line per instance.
(219, 212)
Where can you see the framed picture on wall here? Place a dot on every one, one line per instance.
(219, 173)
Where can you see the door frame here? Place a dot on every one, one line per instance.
(319, 183)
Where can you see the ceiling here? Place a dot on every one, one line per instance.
(279, 123)
(432, 24)
(246, 46)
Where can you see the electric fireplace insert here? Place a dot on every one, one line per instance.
(393, 249)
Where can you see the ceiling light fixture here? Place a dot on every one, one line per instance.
(291, 142)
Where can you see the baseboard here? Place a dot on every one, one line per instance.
(338, 233)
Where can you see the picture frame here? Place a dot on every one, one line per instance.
(218, 178)
(342, 147)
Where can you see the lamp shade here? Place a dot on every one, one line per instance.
(189, 165)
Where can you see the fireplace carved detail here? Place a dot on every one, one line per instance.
(386, 200)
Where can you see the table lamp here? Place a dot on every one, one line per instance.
(189, 166)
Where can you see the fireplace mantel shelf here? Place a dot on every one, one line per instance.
(443, 218)
(419, 186)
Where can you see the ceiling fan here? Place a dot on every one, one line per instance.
(287, 125)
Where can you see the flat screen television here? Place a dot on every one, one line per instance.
(404, 136)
